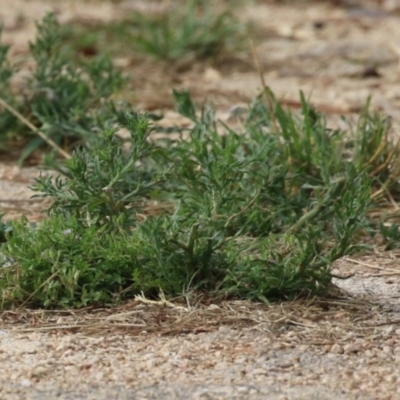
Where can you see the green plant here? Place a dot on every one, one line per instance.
(195, 29)
(103, 180)
(260, 214)
(66, 99)
(391, 236)
(5, 228)
(6, 73)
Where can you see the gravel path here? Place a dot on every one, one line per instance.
(225, 364)
(182, 393)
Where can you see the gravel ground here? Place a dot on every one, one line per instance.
(246, 363)
(181, 393)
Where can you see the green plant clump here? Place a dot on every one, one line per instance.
(195, 29)
(64, 98)
(189, 30)
(258, 214)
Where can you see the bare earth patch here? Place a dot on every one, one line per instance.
(318, 349)
(346, 347)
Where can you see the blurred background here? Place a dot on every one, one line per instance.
(337, 52)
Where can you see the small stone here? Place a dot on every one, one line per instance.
(352, 348)
(259, 371)
(387, 350)
(211, 75)
(337, 349)
(152, 363)
(38, 372)
(26, 383)
(389, 330)
(285, 364)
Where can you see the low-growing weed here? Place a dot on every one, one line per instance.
(64, 98)
(259, 214)
(194, 29)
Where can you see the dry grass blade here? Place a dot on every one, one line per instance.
(162, 302)
(373, 266)
(317, 321)
(266, 91)
(34, 129)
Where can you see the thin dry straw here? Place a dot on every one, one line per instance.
(266, 90)
(33, 128)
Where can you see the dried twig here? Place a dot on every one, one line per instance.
(373, 266)
(34, 129)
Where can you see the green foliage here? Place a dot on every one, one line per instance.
(6, 73)
(64, 98)
(101, 182)
(5, 228)
(259, 214)
(391, 235)
(195, 29)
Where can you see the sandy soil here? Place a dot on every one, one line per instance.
(346, 348)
